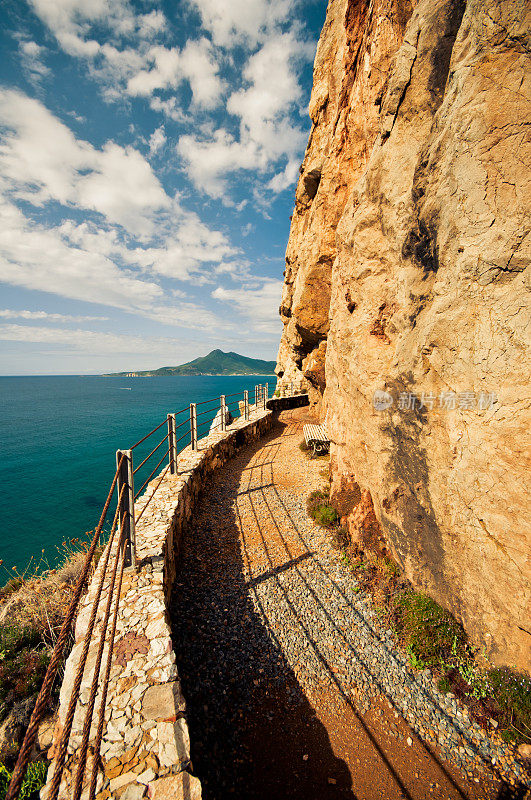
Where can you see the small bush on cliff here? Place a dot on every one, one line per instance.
(512, 693)
(319, 509)
(34, 780)
(24, 659)
(430, 633)
(32, 609)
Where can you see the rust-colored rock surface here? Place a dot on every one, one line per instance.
(407, 273)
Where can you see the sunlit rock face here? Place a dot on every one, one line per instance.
(407, 272)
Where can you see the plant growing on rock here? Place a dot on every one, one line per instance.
(32, 609)
(512, 692)
(319, 509)
(34, 780)
(429, 632)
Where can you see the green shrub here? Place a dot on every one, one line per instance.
(444, 685)
(14, 638)
(414, 661)
(319, 509)
(389, 567)
(23, 664)
(512, 692)
(303, 446)
(34, 780)
(430, 633)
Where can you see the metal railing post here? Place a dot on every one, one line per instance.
(266, 394)
(222, 409)
(193, 425)
(246, 404)
(172, 444)
(127, 506)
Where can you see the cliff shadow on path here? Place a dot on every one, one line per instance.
(253, 732)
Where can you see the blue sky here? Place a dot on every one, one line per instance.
(149, 153)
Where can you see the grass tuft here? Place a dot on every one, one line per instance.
(34, 780)
(512, 692)
(430, 633)
(319, 509)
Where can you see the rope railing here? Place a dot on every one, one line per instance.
(43, 699)
(208, 411)
(143, 439)
(152, 473)
(150, 454)
(205, 402)
(119, 555)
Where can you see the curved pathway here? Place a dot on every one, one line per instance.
(293, 689)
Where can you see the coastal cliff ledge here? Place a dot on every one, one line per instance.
(405, 302)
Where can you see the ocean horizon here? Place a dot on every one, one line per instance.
(60, 434)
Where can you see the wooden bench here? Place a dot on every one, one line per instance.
(316, 437)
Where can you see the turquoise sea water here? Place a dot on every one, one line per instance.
(59, 437)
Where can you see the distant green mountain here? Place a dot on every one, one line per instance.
(215, 363)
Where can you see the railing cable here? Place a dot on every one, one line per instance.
(43, 698)
(82, 753)
(80, 670)
(148, 435)
(151, 474)
(154, 493)
(149, 456)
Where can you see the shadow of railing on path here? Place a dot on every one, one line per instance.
(253, 732)
(280, 524)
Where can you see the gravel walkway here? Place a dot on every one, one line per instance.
(293, 688)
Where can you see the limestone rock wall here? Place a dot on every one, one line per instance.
(408, 274)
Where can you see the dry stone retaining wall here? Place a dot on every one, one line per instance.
(145, 749)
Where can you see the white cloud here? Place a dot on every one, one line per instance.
(241, 21)
(209, 162)
(257, 304)
(79, 261)
(151, 24)
(9, 313)
(170, 108)
(168, 67)
(164, 73)
(285, 179)
(41, 160)
(132, 64)
(31, 55)
(267, 134)
(200, 69)
(34, 257)
(93, 342)
(157, 140)
(71, 21)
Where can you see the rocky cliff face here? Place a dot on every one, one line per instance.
(407, 275)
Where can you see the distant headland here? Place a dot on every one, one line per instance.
(215, 363)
